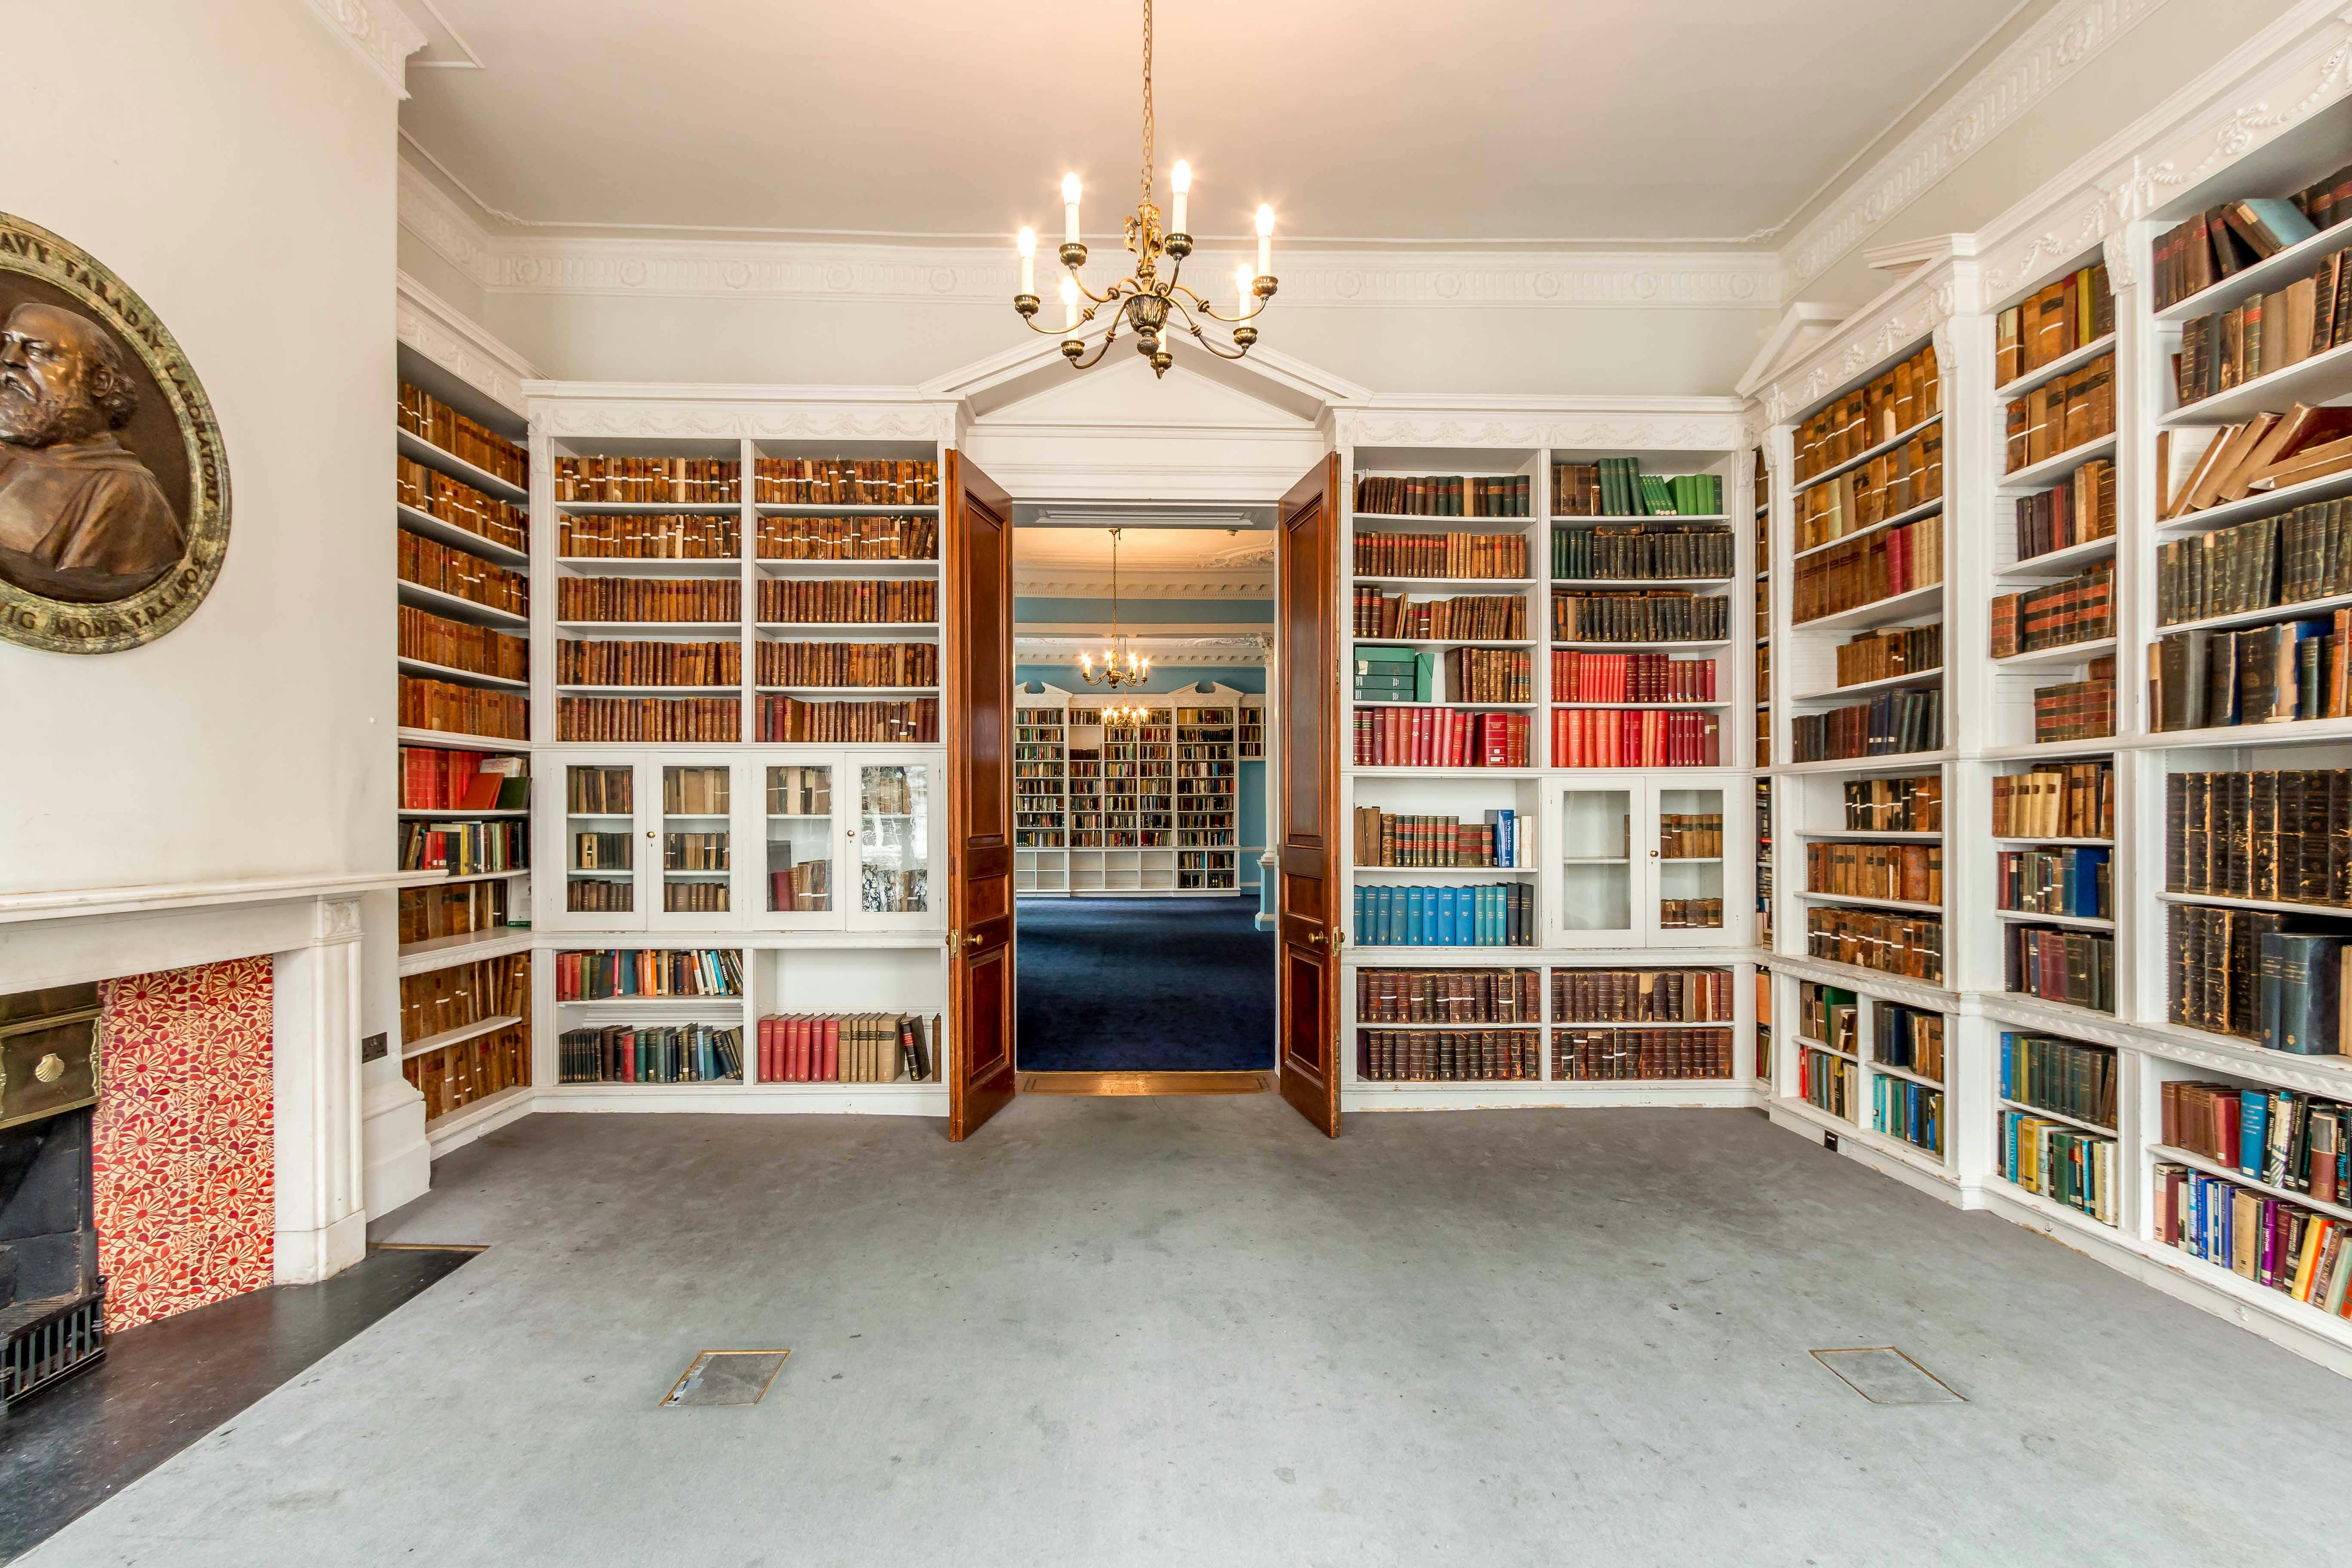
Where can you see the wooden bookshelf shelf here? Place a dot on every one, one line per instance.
(2058, 564)
(2064, 653)
(460, 609)
(2051, 470)
(2322, 378)
(1910, 514)
(458, 538)
(417, 450)
(454, 1036)
(1921, 677)
(2052, 370)
(1894, 608)
(1866, 455)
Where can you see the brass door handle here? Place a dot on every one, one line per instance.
(972, 939)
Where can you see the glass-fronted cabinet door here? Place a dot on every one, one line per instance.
(893, 845)
(694, 877)
(1687, 861)
(602, 844)
(1597, 883)
(807, 831)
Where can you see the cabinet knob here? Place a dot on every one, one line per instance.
(650, 833)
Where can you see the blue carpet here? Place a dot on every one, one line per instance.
(1144, 986)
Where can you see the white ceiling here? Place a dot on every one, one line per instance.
(1375, 121)
(1143, 550)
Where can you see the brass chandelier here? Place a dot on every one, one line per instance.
(1153, 305)
(1120, 667)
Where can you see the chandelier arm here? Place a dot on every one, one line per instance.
(1220, 353)
(1102, 349)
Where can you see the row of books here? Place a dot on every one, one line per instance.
(651, 1053)
(1914, 804)
(1388, 838)
(2077, 710)
(2265, 333)
(459, 909)
(676, 481)
(1912, 873)
(1830, 1014)
(599, 896)
(1661, 616)
(1395, 675)
(1907, 946)
(1641, 995)
(460, 505)
(2056, 615)
(1579, 674)
(846, 481)
(648, 663)
(1889, 724)
(1484, 618)
(599, 974)
(1894, 400)
(804, 887)
(2066, 1077)
(1488, 914)
(912, 722)
(688, 599)
(1911, 1039)
(2201, 466)
(2055, 800)
(2271, 674)
(1910, 1112)
(2271, 1241)
(463, 995)
(665, 536)
(1828, 1083)
(1440, 737)
(1593, 1056)
(465, 849)
(2061, 1163)
(848, 1048)
(2305, 553)
(1616, 487)
(2221, 241)
(849, 600)
(1447, 1055)
(1877, 656)
(1445, 495)
(435, 639)
(1881, 565)
(696, 897)
(657, 719)
(2284, 837)
(2054, 321)
(2077, 510)
(1634, 738)
(2062, 414)
(444, 568)
(1690, 834)
(2279, 1136)
(1690, 914)
(2214, 981)
(454, 1076)
(1904, 478)
(849, 664)
(1449, 996)
(463, 709)
(2077, 967)
(849, 538)
(1441, 556)
(2073, 881)
(1641, 551)
(436, 779)
(436, 424)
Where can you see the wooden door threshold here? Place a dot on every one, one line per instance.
(1107, 1083)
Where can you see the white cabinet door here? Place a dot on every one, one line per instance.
(803, 876)
(695, 806)
(1691, 824)
(596, 848)
(1598, 884)
(897, 876)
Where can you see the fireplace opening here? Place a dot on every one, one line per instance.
(52, 1301)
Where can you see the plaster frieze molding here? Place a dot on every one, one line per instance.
(1144, 584)
(562, 417)
(378, 32)
(441, 222)
(1906, 315)
(1247, 649)
(2029, 70)
(2076, 228)
(436, 329)
(1372, 427)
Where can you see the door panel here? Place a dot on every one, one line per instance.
(1308, 905)
(977, 547)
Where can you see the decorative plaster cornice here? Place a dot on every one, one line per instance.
(1617, 426)
(378, 32)
(1094, 582)
(1906, 313)
(430, 325)
(562, 415)
(1241, 648)
(2029, 70)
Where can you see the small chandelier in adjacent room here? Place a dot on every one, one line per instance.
(1152, 304)
(1120, 667)
(1125, 715)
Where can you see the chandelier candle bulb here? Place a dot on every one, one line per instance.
(1265, 241)
(1070, 304)
(1179, 180)
(1029, 261)
(1070, 209)
(1241, 291)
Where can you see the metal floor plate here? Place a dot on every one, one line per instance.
(727, 1377)
(1885, 1375)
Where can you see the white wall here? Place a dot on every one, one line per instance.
(234, 164)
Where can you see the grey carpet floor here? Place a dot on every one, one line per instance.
(1189, 1331)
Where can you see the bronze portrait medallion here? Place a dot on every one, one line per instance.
(113, 485)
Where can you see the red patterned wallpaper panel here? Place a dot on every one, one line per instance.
(184, 1164)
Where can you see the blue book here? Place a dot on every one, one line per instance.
(1363, 932)
(1481, 913)
(2084, 893)
(1466, 921)
(2254, 1132)
(1440, 917)
(2008, 1055)
(1384, 928)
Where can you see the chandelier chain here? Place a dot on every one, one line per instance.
(1147, 102)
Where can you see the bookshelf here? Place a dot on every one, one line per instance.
(1553, 699)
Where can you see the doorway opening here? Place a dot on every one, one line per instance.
(1145, 963)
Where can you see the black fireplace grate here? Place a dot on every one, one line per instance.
(70, 1339)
